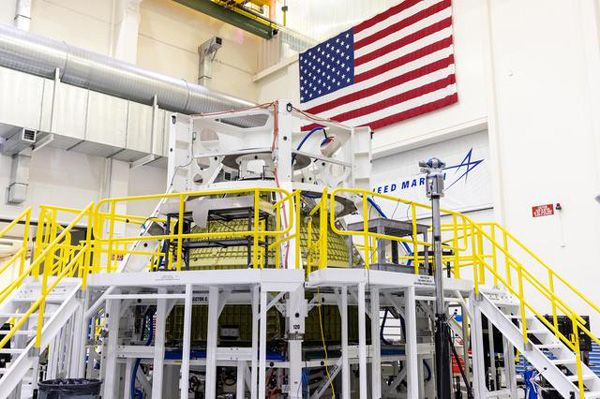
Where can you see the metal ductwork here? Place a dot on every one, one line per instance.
(38, 55)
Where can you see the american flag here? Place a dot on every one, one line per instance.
(394, 66)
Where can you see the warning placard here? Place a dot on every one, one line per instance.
(542, 210)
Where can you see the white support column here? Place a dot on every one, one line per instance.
(262, 369)
(159, 346)
(345, 363)
(111, 371)
(362, 341)
(184, 381)
(412, 361)
(78, 337)
(127, 378)
(240, 388)
(295, 318)
(211, 342)
(254, 360)
(509, 367)
(479, 388)
(83, 333)
(375, 346)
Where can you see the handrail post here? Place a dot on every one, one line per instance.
(455, 243)
(25, 241)
(277, 237)
(522, 305)
(506, 257)
(88, 249)
(297, 233)
(111, 233)
(414, 237)
(494, 260)
(180, 222)
(577, 356)
(323, 231)
(481, 255)
(553, 298)
(476, 261)
(367, 244)
(255, 232)
(309, 247)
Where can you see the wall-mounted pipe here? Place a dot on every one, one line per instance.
(41, 56)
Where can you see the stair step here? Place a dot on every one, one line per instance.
(560, 362)
(585, 377)
(550, 346)
(25, 332)
(5, 315)
(542, 331)
(518, 317)
(592, 395)
(12, 350)
(505, 303)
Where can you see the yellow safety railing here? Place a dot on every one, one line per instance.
(105, 239)
(420, 247)
(56, 258)
(20, 256)
(318, 248)
(491, 251)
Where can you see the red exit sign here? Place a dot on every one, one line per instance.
(542, 210)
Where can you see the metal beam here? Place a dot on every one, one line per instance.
(252, 25)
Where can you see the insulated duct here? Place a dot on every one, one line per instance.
(38, 55)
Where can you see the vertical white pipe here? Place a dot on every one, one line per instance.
(211, 342)
(240, 389)
(345, 362)
(111, 369)
(159, 346)
(362, 341)
(375, 346)
(254, 360)
(262, 370)
(187, 335)
(412, 361)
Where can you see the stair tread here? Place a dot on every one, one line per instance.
(574, 377)
(12, 350)
(563, 361)
(550, 346)
(16, 314)
(544, 331)
(592, 394)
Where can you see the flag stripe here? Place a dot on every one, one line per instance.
(398, 80)
(392, 67)
(402, 24)
(395, 18)
(398, 62)
(398, 70)
(411, 113)
(445, 23)
(388, 102)
(385, 15)
(392, 91)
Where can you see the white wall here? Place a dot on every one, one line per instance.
(169, 35)
(529, 70)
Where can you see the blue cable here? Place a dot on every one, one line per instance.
(315, 129)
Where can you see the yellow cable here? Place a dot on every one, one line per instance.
(324, 345)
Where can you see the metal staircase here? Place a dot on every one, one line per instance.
(555, 361)
(62, 304)
(44, 309)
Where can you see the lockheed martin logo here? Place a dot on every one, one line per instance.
(455, 172)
